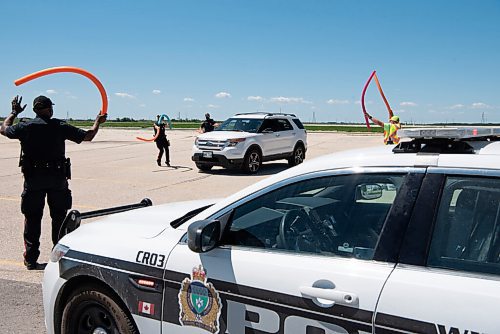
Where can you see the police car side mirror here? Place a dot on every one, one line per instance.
(369, 191)
(203, 235)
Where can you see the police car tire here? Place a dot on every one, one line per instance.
(89, 297)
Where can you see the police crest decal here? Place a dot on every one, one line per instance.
(199, 302)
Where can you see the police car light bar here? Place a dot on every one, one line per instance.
(450, 133)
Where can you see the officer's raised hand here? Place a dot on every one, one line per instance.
(16, 105)
(93, 130)
(101, 118)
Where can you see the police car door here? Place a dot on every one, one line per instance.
(453, 286)
(307, 255)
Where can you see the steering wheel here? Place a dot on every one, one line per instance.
(294, 225)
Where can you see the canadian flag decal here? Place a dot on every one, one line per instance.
(146, 308)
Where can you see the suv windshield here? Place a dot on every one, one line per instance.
(240, 124)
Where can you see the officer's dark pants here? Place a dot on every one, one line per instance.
(163, 146)
(36, 188)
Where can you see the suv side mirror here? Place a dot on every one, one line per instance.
(203, 235)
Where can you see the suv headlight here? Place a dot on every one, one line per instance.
(58, 252)
(234, 142)
(196, 142)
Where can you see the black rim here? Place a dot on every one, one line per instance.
(93, 318)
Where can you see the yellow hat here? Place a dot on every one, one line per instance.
(395, 118)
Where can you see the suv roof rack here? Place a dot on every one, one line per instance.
(253, 113)
(264, 113)
(281, 114)
(444, 140)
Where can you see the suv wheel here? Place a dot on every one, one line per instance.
(253, 161)
(298, 156)
(203, 167)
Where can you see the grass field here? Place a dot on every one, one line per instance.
(196, 125)
(359, 128)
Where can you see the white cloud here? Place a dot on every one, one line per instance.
(50, 91)
(125, 95)
(456, 106)
(289, 100)
(255, 98)
(222, 95)
(408, 104)
(334, 101)
(188, 99)
(156, 91)
(212, 106)
(480, 105)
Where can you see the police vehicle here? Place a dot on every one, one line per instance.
(402, 239)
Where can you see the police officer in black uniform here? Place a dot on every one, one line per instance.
(161, 141)
(45, 168)
(208, 124)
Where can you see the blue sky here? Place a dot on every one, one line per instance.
(438, 61)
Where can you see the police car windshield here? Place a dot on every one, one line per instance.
(240, 124)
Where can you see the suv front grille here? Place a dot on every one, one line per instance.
(213, 145)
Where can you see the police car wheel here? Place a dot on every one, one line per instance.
(90, 310)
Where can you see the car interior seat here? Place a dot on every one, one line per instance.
(461, 223)
(485, 228)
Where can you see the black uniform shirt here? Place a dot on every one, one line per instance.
(208, 125)
(162, 137)
(43, 139)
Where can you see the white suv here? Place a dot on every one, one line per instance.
(246, 140)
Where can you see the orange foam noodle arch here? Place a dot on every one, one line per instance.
(71, 69)
(150, 139)
(389, 110)
(365, 113)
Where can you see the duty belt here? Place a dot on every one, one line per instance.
(45, 164)
(29, 167)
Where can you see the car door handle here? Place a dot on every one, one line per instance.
(329, 294)
(277, 135)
